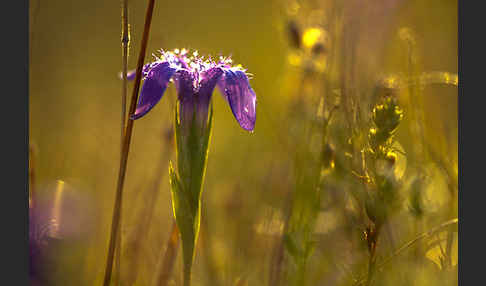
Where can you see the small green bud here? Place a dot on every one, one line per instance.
(387, 116)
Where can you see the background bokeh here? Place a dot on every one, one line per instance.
(74, 106)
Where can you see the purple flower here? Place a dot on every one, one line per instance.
(195, 79)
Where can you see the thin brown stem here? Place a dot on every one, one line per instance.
(125, 42)
(372, 237)
(167, 264)
(118, 252)
(126, 147)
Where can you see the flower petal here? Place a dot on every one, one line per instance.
(241, 97)
(131, 74)
(153, 88)
(209, 80)
(184, 82)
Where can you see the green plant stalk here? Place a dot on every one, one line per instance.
(279, 251)
(415, 99)
(305, 201)
(192, 142)
(303, 192)
(126, 148)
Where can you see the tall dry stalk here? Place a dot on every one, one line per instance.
(126, 147)
(125, 42)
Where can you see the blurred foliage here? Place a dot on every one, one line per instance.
(354, 152)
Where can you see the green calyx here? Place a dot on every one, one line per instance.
(192, 142)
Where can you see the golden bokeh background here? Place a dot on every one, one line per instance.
(75, 103)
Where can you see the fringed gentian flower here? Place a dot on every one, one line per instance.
(195, 79)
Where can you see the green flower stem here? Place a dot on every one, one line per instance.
(192, 141)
